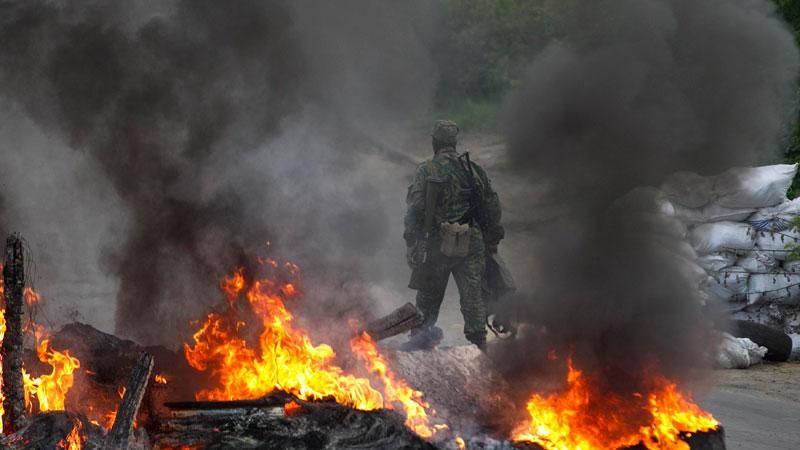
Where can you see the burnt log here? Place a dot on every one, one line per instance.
(12, 352)
(50, 430)
(266, 423)
(106, 364)
(401, 320)
(122, 431)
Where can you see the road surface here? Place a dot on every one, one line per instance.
(759, 407)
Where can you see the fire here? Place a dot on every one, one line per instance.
(31, 297)
(51, 389)
(291, 407)
(75, 439)
(161, 378)
(396, 390)
(233, 285)
(284, 358)
(583, 418)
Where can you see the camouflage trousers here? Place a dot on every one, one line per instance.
(468, 274)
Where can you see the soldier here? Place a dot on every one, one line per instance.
(451, 225)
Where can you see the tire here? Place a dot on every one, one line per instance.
(778, 343)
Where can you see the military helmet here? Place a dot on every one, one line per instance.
(445, 131)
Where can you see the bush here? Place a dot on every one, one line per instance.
(482, 53)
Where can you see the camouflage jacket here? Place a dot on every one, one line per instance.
(454, 198)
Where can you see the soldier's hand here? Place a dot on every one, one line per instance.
(411, 256)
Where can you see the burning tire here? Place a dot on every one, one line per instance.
(778, 343)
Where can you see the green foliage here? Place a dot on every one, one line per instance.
(470, 113)
(794, 254)
(790, 11)
(482, 53)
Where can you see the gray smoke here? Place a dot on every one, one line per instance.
(636, 90)
(218, 127)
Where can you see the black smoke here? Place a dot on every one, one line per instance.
(636, 90)
(220, 126)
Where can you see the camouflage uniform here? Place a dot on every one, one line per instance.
(453, 204)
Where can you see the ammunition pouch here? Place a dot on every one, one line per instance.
(455, 239)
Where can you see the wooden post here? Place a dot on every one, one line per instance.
(14, 285)
(402, 319)
(122, 430)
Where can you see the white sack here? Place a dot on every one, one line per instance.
(711, 213)
(754, 187)
(786, 210)
(688, 189)
(775, 242)
(758, 262)
(735, 279)
(738, 353)
(783, 288)
(717, 261)
(722, 236)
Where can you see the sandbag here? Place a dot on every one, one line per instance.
(754, 187)
(777, 243)
(722, 236)
(711, 213)
(717, 261)
(775, 218)
(734, 279)
(688, 189)
(758, 262)
(738, 353)
(782, 288)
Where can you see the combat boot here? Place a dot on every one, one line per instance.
(423, 339)
(478, 340)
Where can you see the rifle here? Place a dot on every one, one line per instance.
(421, 275)
(476, 209)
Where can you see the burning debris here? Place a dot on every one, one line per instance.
(259, 380)
(187, 114)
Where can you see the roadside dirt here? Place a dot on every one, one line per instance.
(777, 380)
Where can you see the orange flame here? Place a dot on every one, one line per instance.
(233, 285)
(291, 407)
(75, 439)
(161, 378)
(50, 389)
(396, 390)
(31, 297)
(284, 358)
(583, 418)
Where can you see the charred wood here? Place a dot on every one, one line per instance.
(310, 425)
(120, 435)
(12, 352)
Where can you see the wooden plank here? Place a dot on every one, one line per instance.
(122, 430)
(13, 285)
(401, 320)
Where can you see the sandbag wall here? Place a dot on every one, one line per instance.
(739, 223)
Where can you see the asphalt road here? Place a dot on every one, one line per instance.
(753, 421)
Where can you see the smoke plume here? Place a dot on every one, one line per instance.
(220, 127)
(634, 91)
